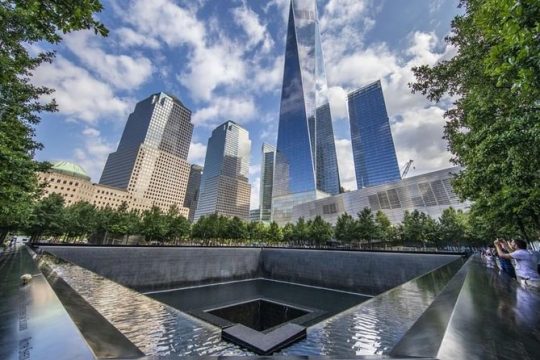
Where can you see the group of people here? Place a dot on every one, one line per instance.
(514, 259)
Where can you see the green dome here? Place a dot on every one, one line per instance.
(68, 168)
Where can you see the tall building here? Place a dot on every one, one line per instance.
(267, 181)
(150, 161)
(225, 189)
(306, 163)
(193, 189)
(374, 154)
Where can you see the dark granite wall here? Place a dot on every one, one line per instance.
(364, 272)
(154, 268)
(146, 268)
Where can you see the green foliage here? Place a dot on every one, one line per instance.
(236, 229)
(493, 130)
(274, 233)
(154, 225)
(23, 24)
(366, 228)
(301, 233)
(178, 227)
(346, 229)
(320, 231)
(452, 227)
(419, 228)
(288, 233)
(256, 231)
(47, 218)
(385, 230)
(80, 219)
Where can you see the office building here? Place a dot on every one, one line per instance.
(150, 161)
(306, 163)
(193, 188)
(430, 193)
(374, 153)
(225, 189)
(267, 181)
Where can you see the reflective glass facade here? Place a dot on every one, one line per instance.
(267, 181)
(374, 154)
(225, 189)
(193, 188)
(326, 159)
(305, 122)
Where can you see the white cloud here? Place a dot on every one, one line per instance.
(254, 169)
(164, 20)
(93, 153)
(79, 95)
(221, 109)
(337, 97)
(418, 136)
(362, 67)
(346, 164)
(128, 37)
(253, 28)
(211, 67)
(197, 153)
(254, 202)
(122, 71)
(270, 78)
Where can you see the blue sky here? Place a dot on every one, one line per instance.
(224, 60)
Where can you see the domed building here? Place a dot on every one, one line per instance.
(73, 183)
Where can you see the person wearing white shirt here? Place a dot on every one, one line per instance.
(525, 262)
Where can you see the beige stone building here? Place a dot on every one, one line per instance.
(74, 185)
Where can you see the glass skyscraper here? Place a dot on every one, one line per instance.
(267, 181)
(374, 154)
(192, 192)
(306, 163)
(150, 162)
(225, 189)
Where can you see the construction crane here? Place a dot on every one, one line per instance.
(406, 168)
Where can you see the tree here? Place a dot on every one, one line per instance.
(154, 225)
(256, 231)
(452, 227)
(417, 227)
(80, 219)
(345, 228)
(493, 129)
(366, 228)
(300, 233)
(25, 23)
(236, 229)
(178, 227)
(288, 233)
(47, 218)
(320, 231)
(274, 233)
(385, 230)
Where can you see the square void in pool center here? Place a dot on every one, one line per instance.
(242, 302)
(259, 314)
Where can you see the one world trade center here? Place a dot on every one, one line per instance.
(306, 165)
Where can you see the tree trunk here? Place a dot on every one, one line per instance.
(3, 235)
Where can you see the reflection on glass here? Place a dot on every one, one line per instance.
(374, 154)
(306, 156)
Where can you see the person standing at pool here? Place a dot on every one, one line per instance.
(524, 262)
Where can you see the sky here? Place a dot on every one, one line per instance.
(224, 60)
